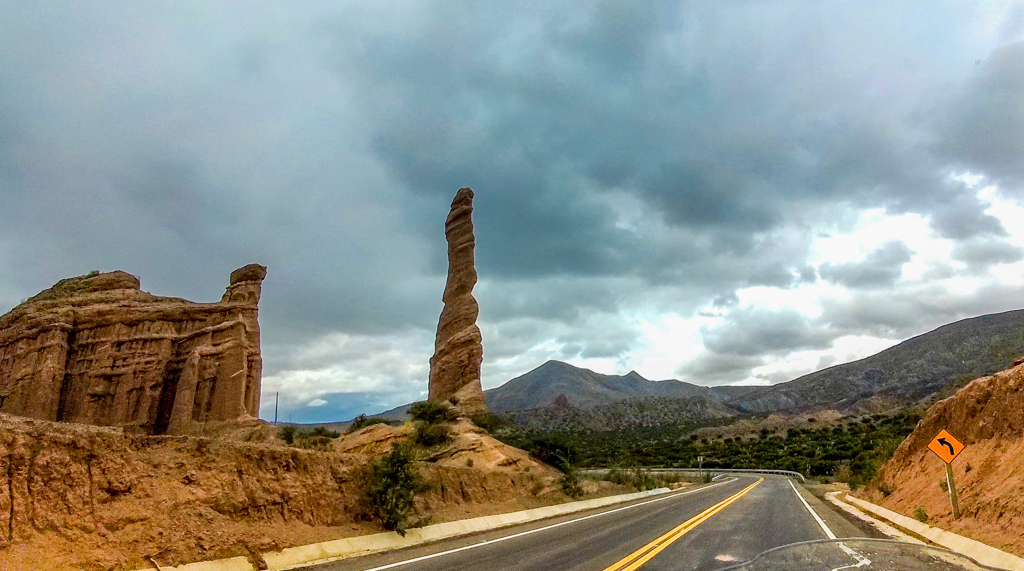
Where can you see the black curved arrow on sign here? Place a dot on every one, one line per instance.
(946, 443)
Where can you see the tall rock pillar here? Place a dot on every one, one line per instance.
(458, 347)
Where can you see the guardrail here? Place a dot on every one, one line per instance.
(708, 470)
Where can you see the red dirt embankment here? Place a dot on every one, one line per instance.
(988, 417)
(84, 497)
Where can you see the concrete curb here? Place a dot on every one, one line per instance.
(980, 552)
(878, 524)
(325, 552)
(349, 547)
(230, 564)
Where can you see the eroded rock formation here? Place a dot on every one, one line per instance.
(97, 350)
(458, 347)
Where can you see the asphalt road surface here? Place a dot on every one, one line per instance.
(708, 528)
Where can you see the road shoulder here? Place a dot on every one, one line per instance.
(843, 525)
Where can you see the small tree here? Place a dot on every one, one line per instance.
(570, 483)
(432, 412)
(362, 421)
(287, 433)
(391, 484)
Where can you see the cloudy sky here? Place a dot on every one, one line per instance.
(719, 192)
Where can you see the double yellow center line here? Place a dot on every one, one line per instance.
(646, 553)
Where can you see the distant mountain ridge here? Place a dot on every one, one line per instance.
(584, 388)
(906, 373)
(910, 372)
(949, 356)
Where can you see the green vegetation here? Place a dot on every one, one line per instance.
(432, 412)
(428, 435)
(362, 421)
(389, 486)
(570, 484)
(921, 515)
(287, 433)
(431, 422)
(317, 439)
(487, 420)
(641, 479)
(852, 451)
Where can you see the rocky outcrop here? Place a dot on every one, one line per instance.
(98, 350)
(89, 497)
(458, 348)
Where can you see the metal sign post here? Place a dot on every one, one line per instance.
(952, 491)
(948, 448)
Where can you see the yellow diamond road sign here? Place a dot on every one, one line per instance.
(945, 446)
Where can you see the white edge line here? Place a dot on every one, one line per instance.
(828, 532)
(539, 529)
(860, 559)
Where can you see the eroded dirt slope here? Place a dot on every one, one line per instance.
(988, 417)
(82, 497)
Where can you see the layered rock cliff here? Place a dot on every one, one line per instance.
(458, 347)
(98, 350)
(97, 498)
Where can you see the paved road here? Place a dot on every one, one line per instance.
(704, 529)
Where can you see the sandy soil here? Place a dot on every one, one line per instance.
(988, 417)
(82, 497)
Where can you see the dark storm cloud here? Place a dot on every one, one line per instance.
(715, 368)
(626, 157)
(750, 332)
(881, 268)
(982, 128)
(903, 313)
(980, 254)
(543, 112)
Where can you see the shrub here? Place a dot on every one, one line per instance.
(432, 412)
(615, 476)
(944, 485)
(258, 434)
(321, 431)
(287, 433)
(322, 443)
(920, 515)
(843, 473)
(570, 484)
(428, 435)
(487, 420)
(362, 421)
(554, 451)
(317, 439)
(886, 489)
(537, 488)
(643, 480)
(390, 485)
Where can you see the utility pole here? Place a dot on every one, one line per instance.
(277, 400)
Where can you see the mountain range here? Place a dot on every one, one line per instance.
(908, 373)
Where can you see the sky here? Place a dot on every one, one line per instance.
(717, 192)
